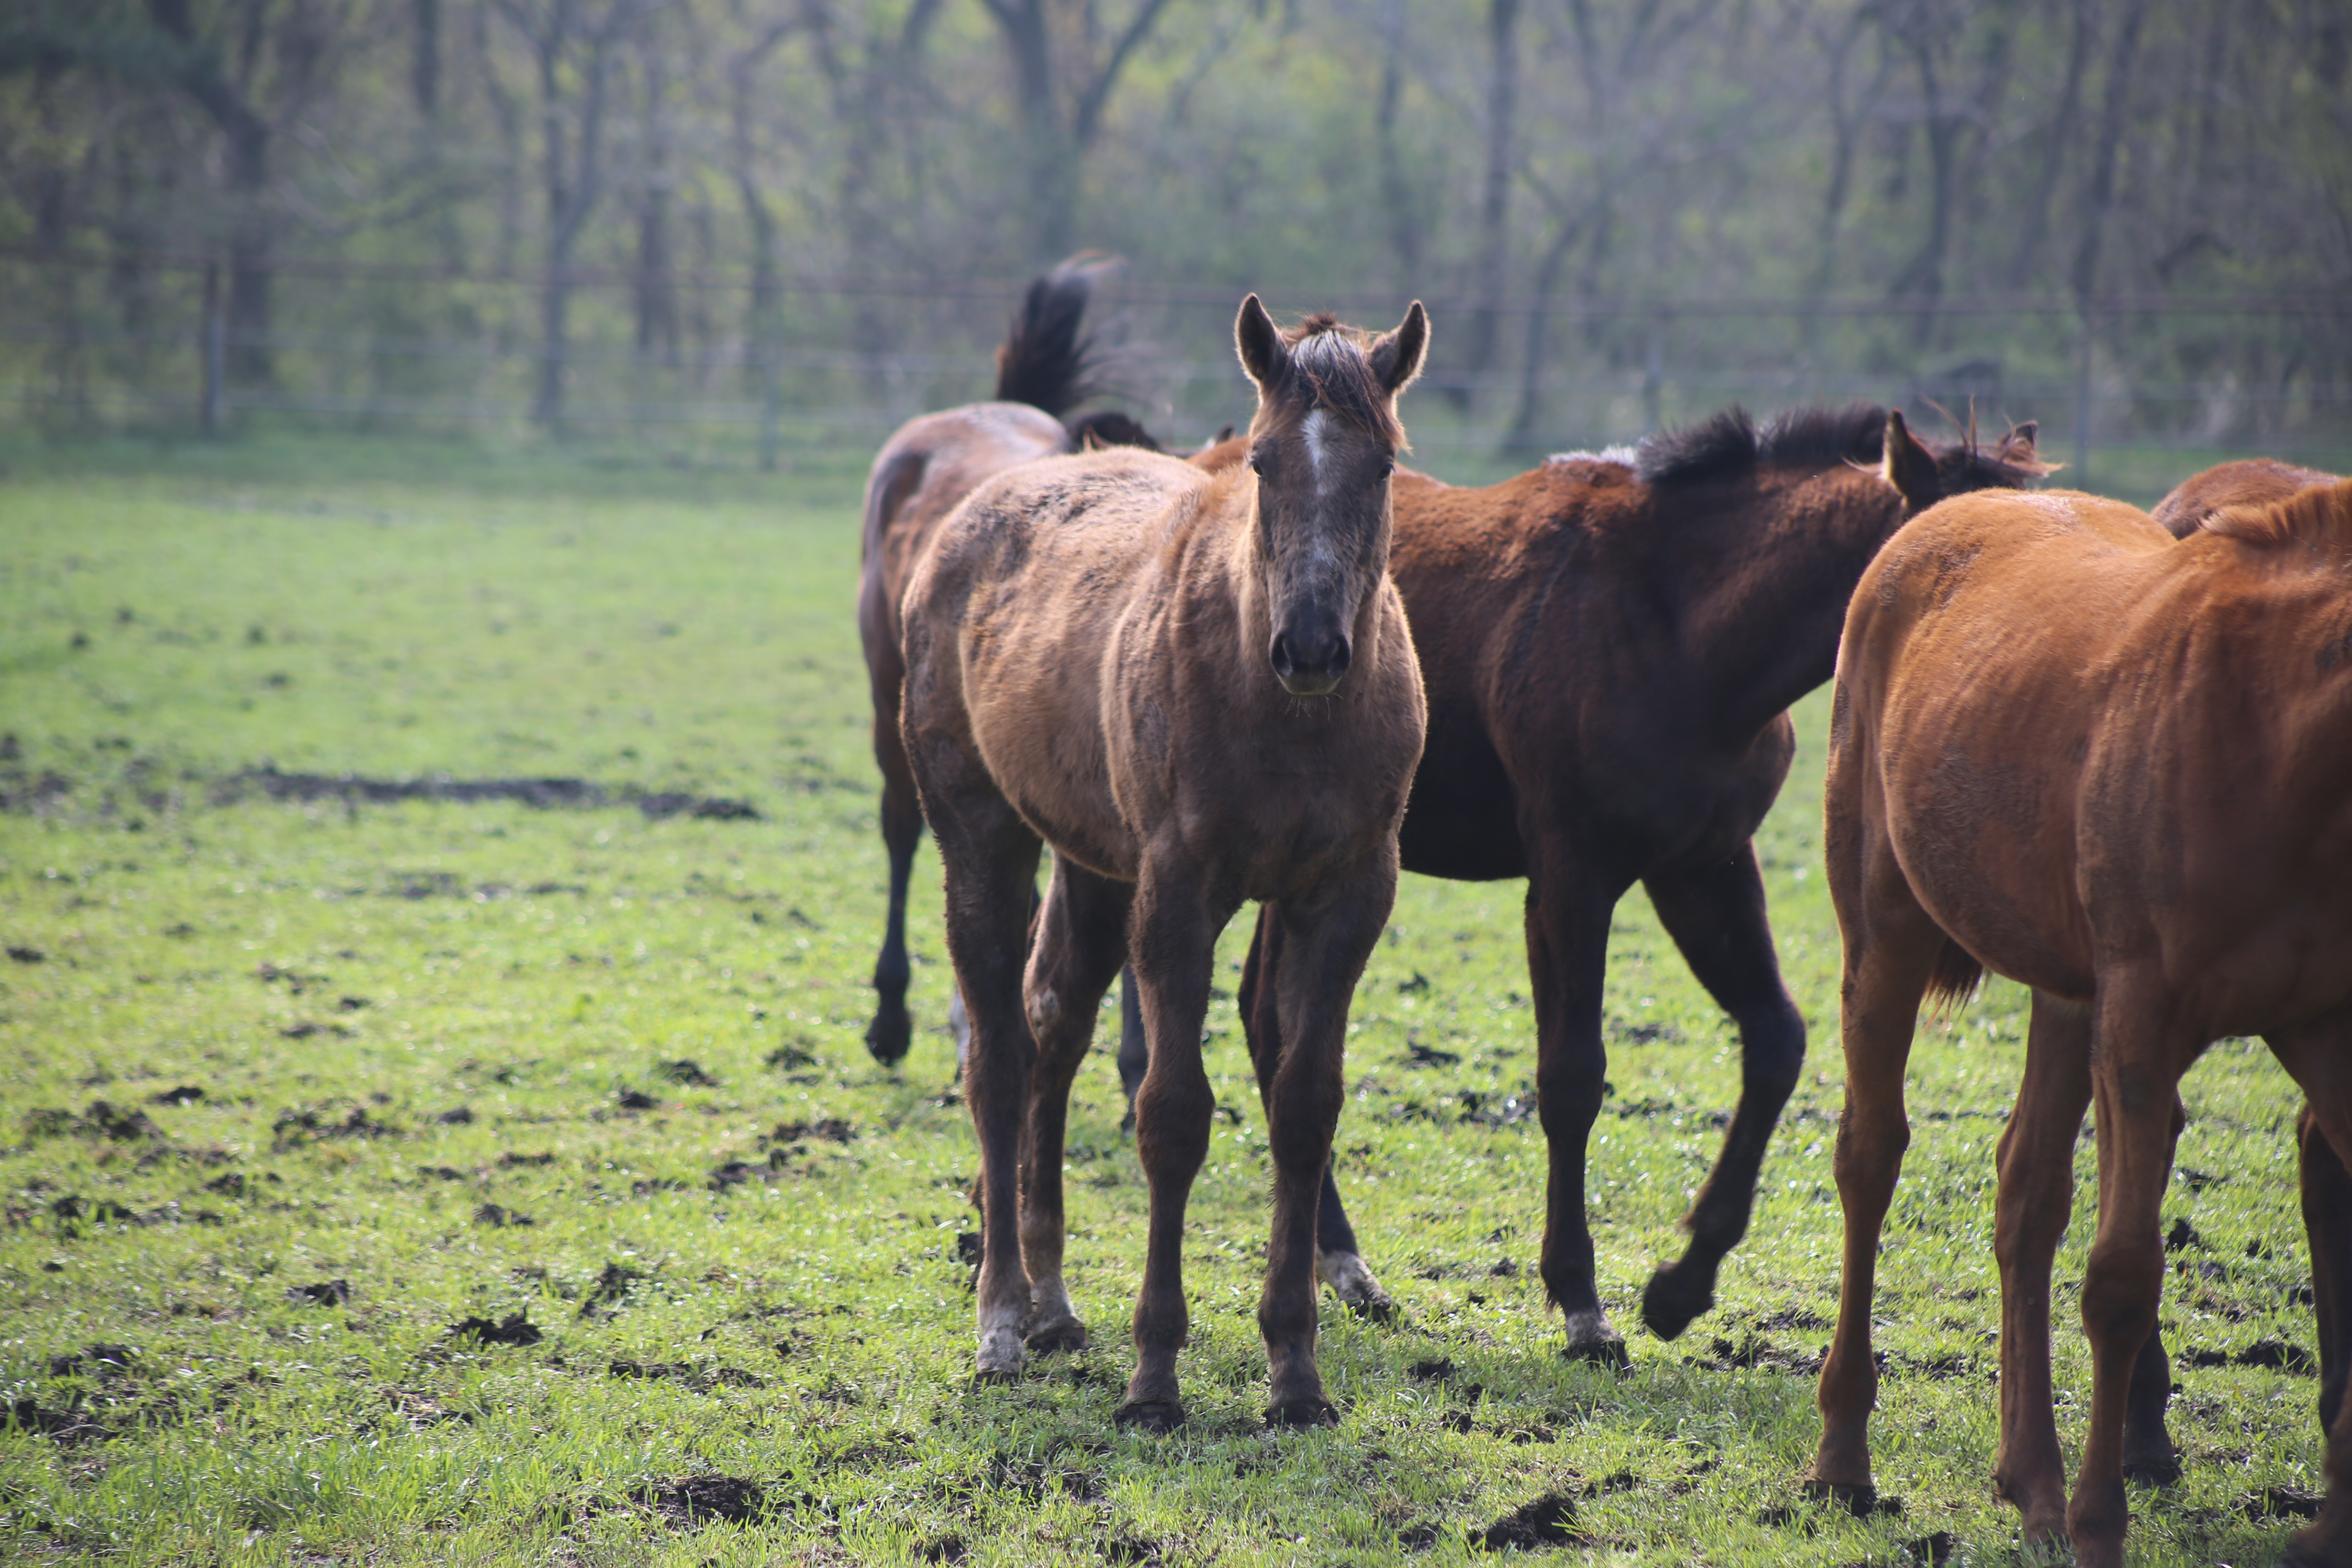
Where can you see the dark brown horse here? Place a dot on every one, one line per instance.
(1199, 689)
(1609, 649)
(1045, 368)
(2117, 768)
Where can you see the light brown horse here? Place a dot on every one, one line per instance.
(2117, 768)
(1045, 368)
(1198, 689)
(1610, 644)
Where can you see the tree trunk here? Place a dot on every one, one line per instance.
(1495, 196)
(1396, 190)
(246, 134)
(2053, 159)
(425, 62)
(2101, 196)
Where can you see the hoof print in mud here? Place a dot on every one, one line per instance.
(1156, 1417)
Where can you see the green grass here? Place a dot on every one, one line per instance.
(339, 977)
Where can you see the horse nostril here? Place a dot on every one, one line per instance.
(1337, 662)
(1280, 653)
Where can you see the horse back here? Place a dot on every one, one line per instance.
(2091, 748)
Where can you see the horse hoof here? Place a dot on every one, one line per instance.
(1668, 1306)
(1302, 1413)
(1593, 1340)
(1067, 1335)
(1000, 1357)
(1354, 1285)
(2161, 1470)
(1156, 1416)
(995, 1377)
(889, 1035)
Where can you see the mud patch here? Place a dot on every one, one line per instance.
(1755, 1353)
(1548, 1521)
(700, 1500)
(186, 1094)
(2283, 1502)
(514, 1329)
(685, 1072)
(69, 1427)
(611, 1290)
(305, 1124)
(99, 1360)
(2275, 1355)
(635, 1100)
(701, 1379)
(791, 1135)
(499, 1217)
(102, 1120)
(543, 794)
(320, 1293)
(524, 1161)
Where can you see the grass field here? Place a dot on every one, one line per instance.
(441, 1179)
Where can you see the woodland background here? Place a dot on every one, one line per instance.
(709, 219)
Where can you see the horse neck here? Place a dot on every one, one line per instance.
(1767, 573)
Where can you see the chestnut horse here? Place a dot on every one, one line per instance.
(1198, 689)
(931, 462)
(1609, 649)
(2117, 768)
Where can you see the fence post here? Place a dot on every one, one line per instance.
(216, 351)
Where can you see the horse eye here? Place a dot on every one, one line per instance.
(1258, 463)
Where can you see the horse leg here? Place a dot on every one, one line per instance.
(1339, 1263)
(1134, 1047)
(1172, 931)
(1322, 954)
(891, 1031)
(2319, 1056)
(1080, 941)
(2036, 1194)
(1716, 915)
(2150, 1460)
(1568, 947)
(2137, 1055)
(1890, 948)
(991, 860)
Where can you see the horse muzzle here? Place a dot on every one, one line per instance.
(1309, 665)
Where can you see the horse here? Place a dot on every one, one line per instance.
(2117, 768)
(1198, 689)
(1046, 366)
(2249, 482)
(1610, 643)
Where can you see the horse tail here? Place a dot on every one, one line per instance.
(1048, 360)
(1955, 976)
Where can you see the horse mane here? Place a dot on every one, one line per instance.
(1731, 443)
(2320, 517)
(1329, 366)
(1047, 360)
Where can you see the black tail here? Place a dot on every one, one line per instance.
(1047, 359)
(1954, 978)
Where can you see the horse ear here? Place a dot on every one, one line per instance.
(2017, 447)
(1259, 343)
(1397, 356)
(1909, 465)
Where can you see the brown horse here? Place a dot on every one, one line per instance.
(1199, 689)
(1045, 368)
(2251, 482)
(1609, 649)
(2117, 768)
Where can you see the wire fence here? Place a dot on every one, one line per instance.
(144, 341)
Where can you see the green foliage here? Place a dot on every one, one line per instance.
(758, 1276)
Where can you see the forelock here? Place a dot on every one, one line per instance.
(1328, 366)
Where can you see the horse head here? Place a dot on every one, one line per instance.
(1925, 474)
(1321, 449)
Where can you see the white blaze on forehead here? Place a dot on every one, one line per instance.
(1317, 454)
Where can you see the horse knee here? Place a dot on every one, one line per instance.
(1569, 1094)
(1772, 1051)
(2119, 1292)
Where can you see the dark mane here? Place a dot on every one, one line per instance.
(1730, 443)
(1328, 367)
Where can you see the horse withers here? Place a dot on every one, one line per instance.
(1045, 367)
(2116, 768)
(1610, 644)
(1198, 689)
